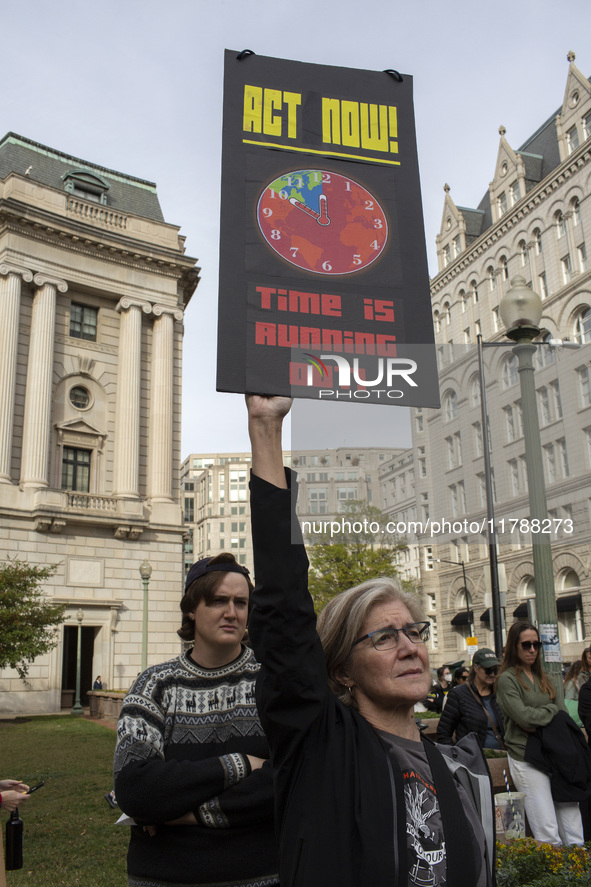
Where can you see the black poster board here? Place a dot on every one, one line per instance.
(324, 289)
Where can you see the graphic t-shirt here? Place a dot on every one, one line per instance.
(424, 827)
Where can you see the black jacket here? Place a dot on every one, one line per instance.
(559, 750)
(585, 707)
(463, 714)
(340, 807)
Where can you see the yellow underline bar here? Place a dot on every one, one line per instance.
(322, 153)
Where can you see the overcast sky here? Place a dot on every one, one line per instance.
(136, 86)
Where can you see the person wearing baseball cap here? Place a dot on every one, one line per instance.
(191, 758)
(472, 707)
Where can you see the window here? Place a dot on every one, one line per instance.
(344, 494)
(238, 486)
(545, 356)
(496, 319)
(555, 399)
(587, 125)
(542, 285)
(582, 257)
(428, 551)
(82, 183)
(544, 406)
(583, 326)
(502, 203)
(515, 193)
(457, 246)
(509, 423)
(477, 328)
(576, 211)
(477, 439)
(467, 336)
(504, 267)
(454, 450)
(560, 224)
(567, 271)
(450, 405)
(437, 321)
(447, 313)
(76, 469)
(481, 480)
(537, 235)
(584, 386)
(510, 372)
(83, 322)
(522, 247)
(474, 291)
(418, 423)
(189, 509)
(446, 255)
(490, 271)
(572, 139)
(79, 397)
(475, 391)
(463, 301)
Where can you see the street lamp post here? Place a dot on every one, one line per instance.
(77, 709)
(521, 311)
(145, 573)
(461, 564)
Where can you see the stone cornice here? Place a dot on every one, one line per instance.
(74, 236)
(529, 203)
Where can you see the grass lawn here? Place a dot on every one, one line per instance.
(70, 836)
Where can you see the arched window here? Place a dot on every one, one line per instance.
(569, 606)
(463, 300)
(537, 235)
(582, 329)
(510, 373)
(560, 224)
(450, 405)
(522, 247)
(475, 390)
(437, 321)
(81, 183)
(474, 291)
(569, 579)
(490, 271)
(576, 210)
(504, 267)
(447, 313)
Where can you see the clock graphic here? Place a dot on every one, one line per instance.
(322, 222)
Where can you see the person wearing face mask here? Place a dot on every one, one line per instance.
(362, 800)
(436, 697)
(529, 699)
(472, 706)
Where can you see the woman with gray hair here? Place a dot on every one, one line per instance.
(361, 799)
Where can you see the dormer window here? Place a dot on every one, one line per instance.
(86, 185)
(515, 193)
(572, 139)
(502, 203)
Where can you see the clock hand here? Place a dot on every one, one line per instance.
(304, 208)
(323, 217)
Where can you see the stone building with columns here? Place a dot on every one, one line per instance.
(93, 288)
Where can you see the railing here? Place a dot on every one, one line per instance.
(89, 502)
(92, 212)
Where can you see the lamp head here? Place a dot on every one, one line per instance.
(521, 310)
(145, 570)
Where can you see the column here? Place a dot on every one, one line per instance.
(10, 298)
(127, 410)
(161, 403)
(36, 429)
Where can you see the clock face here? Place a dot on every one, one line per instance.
(322, 222)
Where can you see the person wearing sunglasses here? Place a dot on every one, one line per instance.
(472, 707)
(361, 799)
(529, 699)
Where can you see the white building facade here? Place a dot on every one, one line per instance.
(93, 288)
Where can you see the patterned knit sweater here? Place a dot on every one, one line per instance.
(183, 736)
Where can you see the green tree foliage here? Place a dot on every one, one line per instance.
(359, 549)
(28, 621)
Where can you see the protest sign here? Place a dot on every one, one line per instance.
(324, 290)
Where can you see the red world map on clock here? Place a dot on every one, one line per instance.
(322, 222)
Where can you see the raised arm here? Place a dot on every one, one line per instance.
(265, 421)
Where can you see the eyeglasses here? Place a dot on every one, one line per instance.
(527, 645)
(492, 670)
(463, 677)
(387, 638)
